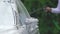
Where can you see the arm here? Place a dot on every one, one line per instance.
(56, 10)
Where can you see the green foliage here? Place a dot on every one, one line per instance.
(48, 23)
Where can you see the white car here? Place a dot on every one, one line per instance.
(15, 19)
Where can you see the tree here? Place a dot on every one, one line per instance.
(48, 22)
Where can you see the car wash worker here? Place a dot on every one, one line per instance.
(54, 10)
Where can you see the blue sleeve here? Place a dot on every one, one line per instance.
(56, 10)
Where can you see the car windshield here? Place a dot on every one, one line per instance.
(22, 11)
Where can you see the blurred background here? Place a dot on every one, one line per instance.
(49, 23)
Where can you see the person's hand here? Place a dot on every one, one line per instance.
(48, 9)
